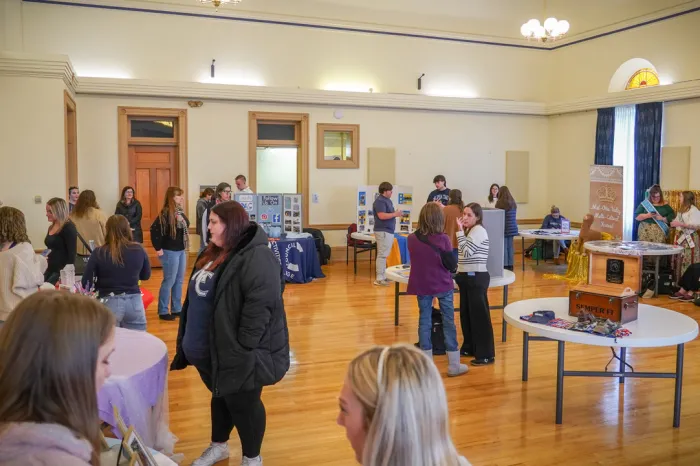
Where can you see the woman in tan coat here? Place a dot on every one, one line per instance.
(89, 220)
(453, 211)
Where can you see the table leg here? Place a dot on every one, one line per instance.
(396, 305)
(656, 277)
(679, 385)
(504, 331)
(526, 344)
(560, 381)
(523, 252)
(354, 256)
(623, 360)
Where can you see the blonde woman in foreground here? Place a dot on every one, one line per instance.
(394, 410)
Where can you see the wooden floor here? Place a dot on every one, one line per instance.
(496, 418)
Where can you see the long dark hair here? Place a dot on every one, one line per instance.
(48, 359)
(505, 199)
(236, 222)
(123, 198)
(118, 238)
(86, 200)
(167, 213)
(491, 189)
(456, 199)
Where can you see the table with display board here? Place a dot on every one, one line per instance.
(398, 254)
(401, 197)
(275, 213)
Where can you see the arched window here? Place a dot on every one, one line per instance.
(643, 78)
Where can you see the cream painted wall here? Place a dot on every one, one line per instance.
(468, 148)
(681, 129)
(174, 48)
(32, 155)
(586, 69)
(571, 153)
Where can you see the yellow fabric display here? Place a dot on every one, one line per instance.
(394, 255)
(577, 263)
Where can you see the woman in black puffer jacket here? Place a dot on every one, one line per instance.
(233, 329)
(130, 207)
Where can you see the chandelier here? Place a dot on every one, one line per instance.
(551, 30)
(218, 3)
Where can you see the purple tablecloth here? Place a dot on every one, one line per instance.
(138, 388)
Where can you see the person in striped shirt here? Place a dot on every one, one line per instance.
(473, 281)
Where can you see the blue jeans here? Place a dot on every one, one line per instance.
(425, 321)
(508, 251)
(128, 310)
(173, 274)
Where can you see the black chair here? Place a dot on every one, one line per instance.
(362, 246)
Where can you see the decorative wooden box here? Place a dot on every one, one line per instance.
(615, 271)
(604, 302)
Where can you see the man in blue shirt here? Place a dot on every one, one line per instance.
(441, 194)
(384, 227)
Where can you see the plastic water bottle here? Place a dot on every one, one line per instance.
(92, 245)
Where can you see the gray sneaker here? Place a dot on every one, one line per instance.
(381, 283)
(214, 453)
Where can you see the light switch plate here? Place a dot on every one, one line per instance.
(37, 199)
(314, 198)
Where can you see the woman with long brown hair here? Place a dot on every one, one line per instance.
(130, 207)
(60, 239)
(89, 220)
(169, 237)
(687, 224)
(453, 210)
(234, 330)
(429, 279)
(508, 204)
(22, 270)
(114, 270)
(54, 358)
(473, 279)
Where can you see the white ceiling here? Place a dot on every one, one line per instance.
(493, 18)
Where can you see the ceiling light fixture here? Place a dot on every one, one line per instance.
(552, 29)
(218, 3)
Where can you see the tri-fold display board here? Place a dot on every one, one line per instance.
(402, 198)
(275, 213)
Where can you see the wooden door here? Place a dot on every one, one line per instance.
(152, 169)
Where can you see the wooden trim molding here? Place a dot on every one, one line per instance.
(69, 106)
(302, 119)
(123, 114)
(354, 131)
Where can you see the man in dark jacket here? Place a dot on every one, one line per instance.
(203, 205)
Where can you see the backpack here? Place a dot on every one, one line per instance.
(324, 251)
(437, 334)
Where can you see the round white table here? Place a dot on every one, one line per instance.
(655, 327)
(546, 235)
(636, 248)
(400, 273)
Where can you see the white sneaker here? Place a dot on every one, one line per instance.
(381, 282)
(213, 454)
(251, 461)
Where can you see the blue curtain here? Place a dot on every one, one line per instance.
(647, 151)
(605, 136)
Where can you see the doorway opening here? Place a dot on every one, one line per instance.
(152, 157)
(278, 148)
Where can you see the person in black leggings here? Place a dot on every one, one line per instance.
(233, 330)
(689, 283)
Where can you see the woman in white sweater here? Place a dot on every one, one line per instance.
(21, 270)
(473, 281)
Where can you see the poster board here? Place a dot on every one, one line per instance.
(606, 199)
(293, 214)
(249, 203)
(270, 207)
(402, 198)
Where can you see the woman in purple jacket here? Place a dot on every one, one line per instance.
(430, 279)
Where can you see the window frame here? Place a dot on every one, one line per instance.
(354, 131)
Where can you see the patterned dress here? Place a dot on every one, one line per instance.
(689, 239)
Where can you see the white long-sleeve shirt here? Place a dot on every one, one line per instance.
(473, 250)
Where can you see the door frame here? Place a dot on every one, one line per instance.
(70, 111)
(123, 115)
(302, 119)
